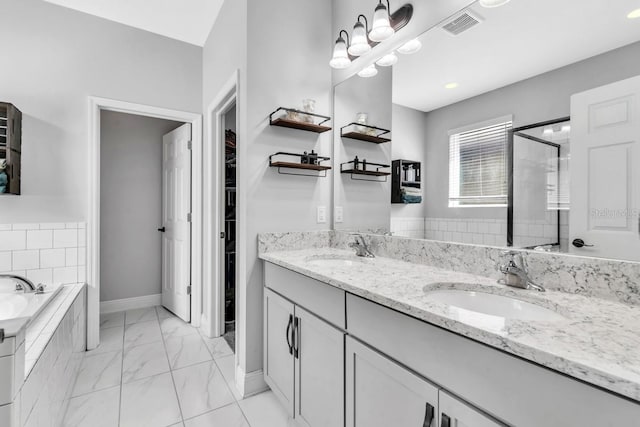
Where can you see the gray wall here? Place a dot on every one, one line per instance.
(366, 204)
(53, 59)
(130, 204)
(408, 143)
(540, 98)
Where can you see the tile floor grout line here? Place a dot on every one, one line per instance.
(173, 381)
(124, 329)
(237, 402)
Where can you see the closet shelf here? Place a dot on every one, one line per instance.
(372, 134)
(285, 120)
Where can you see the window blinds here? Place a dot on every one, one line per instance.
(478, 165)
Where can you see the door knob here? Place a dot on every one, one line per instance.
(162, 230)
(579, 243)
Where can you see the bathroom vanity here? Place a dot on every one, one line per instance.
(365, 342)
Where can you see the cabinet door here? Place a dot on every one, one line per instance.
(454, 413)
(319, 372)
(381, 393)
(278, 357)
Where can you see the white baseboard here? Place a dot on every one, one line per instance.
(130, 303)
(250, 383)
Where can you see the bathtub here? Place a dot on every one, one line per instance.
(14, 305)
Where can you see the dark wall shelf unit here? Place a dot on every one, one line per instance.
(405, 173)
(365, 133)
(297, 119)
(10, 148)
(359, 168)
(308, 162)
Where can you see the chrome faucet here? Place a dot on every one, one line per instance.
(361, 247)
(516, 273)
(22, 283)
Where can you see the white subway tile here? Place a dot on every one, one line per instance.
(39, 239)
(82, 256)
(494, 228)
(5, 261)
(71, 225)
(25, 260)
(5, 227)
(13, 240)
(72, 257)
(50, 258)
(65, 238)
(82, 237)
(82, 274)
(43, 275)
(26, 226)
(65, 275)
(52, 226)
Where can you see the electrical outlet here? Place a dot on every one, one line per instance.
(339, 214)
(322, 215)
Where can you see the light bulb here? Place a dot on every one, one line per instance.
(359, 43)
(493, 3)
(388, 60)
(340, 58)
(368, 71)
(634, 14)
(412, 46)
(451, 85)
(381, 29)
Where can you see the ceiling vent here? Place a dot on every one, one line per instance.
(461, 23)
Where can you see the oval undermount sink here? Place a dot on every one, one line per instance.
(336, 260)
(463, 301)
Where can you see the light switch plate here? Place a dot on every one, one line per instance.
(322, 215)
(339, 213)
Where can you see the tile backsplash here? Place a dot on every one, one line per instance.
(48, 253)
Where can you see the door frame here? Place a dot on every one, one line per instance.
(96, 105)
(213, 205)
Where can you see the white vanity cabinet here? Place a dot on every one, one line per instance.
(303, 352)
(381, 393)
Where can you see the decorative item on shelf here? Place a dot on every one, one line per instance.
(384, 26)
(305, 119)
(364, 132)
(309, 162)
(357, 167)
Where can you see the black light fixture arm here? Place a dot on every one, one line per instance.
(366, 23)
(346, 36)
(388, 8)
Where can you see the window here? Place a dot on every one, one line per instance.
(478, 164)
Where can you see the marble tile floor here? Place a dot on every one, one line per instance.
(152, 369)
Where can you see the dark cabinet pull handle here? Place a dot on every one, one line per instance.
(446, 421)
(289, 341)
(162, 230)
(579, 243)
(296, 337)
(429, 414)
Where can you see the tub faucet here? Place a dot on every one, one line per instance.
(22, 283)
(516, 273)
(361, 247)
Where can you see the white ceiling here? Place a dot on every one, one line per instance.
(517, 41)
(186, 20)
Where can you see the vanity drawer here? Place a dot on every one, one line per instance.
(321, 299)
(511, 389)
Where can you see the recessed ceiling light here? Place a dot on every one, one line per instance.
(493, 3)
(634, 14)
(452, 85)
(412, 46)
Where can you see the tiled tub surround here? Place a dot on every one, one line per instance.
(48, 253)
(597, 343)
(48, 352)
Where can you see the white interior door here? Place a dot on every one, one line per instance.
(176, 212)
(605, 178)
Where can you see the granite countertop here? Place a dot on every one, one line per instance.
(597, 341)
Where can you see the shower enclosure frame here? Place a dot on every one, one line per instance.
(510, 164)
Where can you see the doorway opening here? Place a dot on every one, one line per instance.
(136, 221)
(230, 226)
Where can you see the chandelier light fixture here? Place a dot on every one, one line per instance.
(384, 25)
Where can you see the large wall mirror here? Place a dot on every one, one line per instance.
(512, 126)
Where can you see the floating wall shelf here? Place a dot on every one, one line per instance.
(295, 119)
(365, 133)
(359, 169)
(286, 165)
